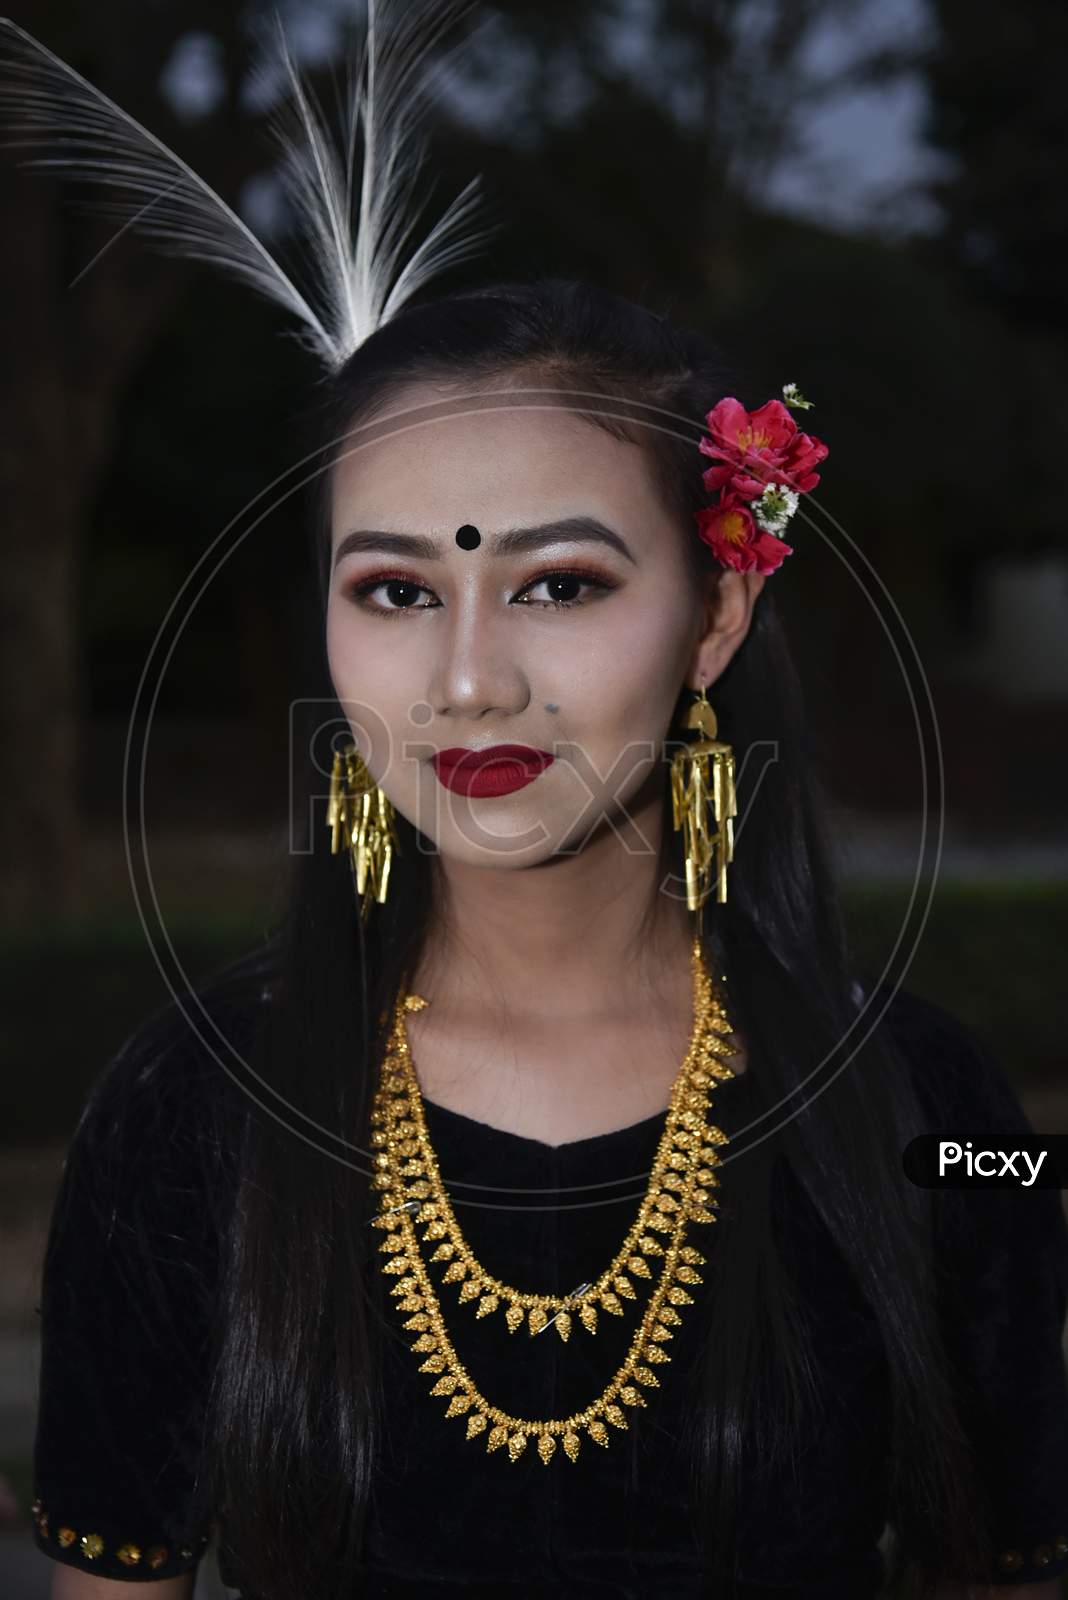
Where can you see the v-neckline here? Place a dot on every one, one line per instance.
(458, 1119)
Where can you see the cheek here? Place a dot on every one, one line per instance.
(618, 688)
(648, 673)
(631, 708)
(361, 683)
(333, 641)
(366, 687)
(349, 652)
(341, 654)
(622, 723)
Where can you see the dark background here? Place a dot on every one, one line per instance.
(866, 198)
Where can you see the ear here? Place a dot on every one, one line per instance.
(729, 599)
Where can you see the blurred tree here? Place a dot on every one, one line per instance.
(74, 338)
(995, 79)
(997, 107)
(641, 132)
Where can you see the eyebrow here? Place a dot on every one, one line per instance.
(513, 541)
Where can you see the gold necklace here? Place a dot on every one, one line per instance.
(704, 1056)
(408, 1177)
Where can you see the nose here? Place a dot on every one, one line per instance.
(478, 670)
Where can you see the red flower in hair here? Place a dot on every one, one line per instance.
(759, 447)
(765, 463)
(734, 538)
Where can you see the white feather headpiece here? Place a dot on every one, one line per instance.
(355, 225)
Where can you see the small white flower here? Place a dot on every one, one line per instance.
(775, 507)
(793, 397)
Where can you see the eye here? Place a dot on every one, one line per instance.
(401, 591)
(569, 579)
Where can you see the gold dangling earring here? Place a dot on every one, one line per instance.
(361, 817)
(701, 771)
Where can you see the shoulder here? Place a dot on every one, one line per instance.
(928, 1033)
(177, 1054)
(965, 1093)
(129, 1286)
(162, 1117)
(191, 1029)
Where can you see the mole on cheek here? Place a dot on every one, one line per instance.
(550, 707)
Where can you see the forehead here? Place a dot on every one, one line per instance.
(487, 465)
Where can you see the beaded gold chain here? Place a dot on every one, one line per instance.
(409, 1181)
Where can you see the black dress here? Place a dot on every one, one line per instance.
(124, 1341)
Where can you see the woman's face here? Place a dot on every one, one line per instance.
(433, 646)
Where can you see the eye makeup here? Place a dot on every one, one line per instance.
(360, 589)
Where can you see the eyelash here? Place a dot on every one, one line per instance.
(359, 590)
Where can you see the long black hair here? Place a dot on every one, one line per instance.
(295, 1411)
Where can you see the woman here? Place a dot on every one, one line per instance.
(528, 1215)
(864, 1366)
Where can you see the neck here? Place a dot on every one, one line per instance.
(572, 936)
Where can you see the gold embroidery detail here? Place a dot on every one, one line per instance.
(92, 1546)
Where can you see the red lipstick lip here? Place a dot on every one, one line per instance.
(497, 769)
(459, 759)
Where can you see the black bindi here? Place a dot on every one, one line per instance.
(468, 537)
